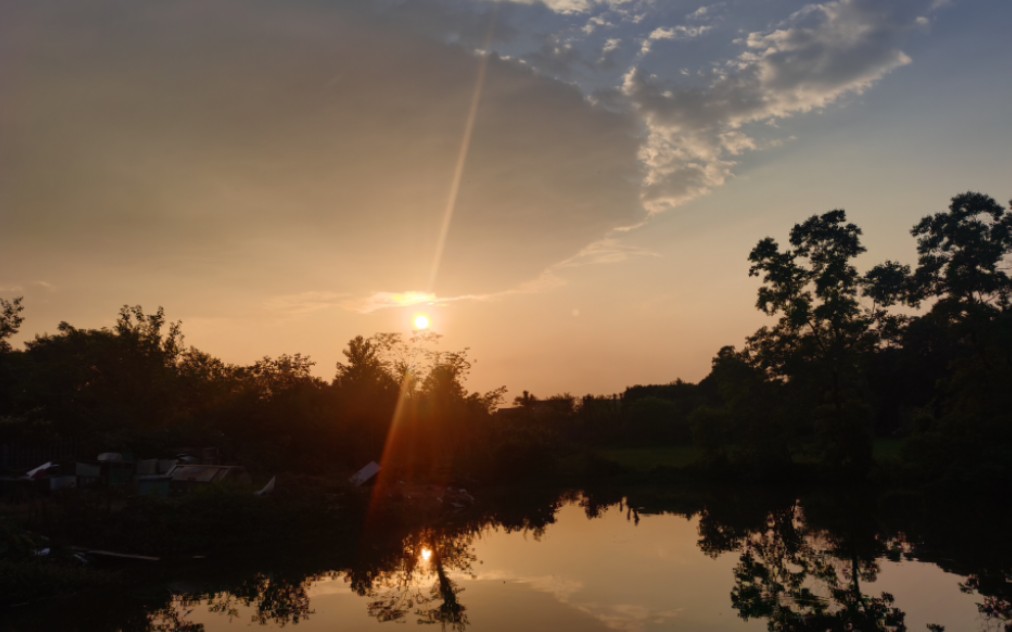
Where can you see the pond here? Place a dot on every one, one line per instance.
(641, 561)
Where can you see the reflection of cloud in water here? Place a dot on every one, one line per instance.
(628, 617)
(329, 586)
(561, 588)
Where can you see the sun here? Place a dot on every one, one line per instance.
(422, 322)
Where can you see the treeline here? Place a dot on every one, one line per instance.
(136, 388)
(918, 355)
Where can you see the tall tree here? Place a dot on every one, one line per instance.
(957, 356)
(10, 320)
(109, 386)
(364, 368)
(963, 256)
(821, 331)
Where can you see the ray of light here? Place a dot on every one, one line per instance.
(465, 148)
(381, 486)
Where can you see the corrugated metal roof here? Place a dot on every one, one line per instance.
(202, 473)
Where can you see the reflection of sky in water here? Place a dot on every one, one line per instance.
(609, 574)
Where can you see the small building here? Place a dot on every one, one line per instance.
(365, 475)
(189, 475)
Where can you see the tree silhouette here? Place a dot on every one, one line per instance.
(796, 580)
(821, 332)
(10, 320)
(420, 584)
(961, 253)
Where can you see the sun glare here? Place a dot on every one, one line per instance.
(421, 322)
(426, 554)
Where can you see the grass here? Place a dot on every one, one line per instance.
(887, 450)
(647, 459)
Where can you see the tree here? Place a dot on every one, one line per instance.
(10, 320)
(365, 369)
(366, 391)
(813, 289)
(145, 331)
(738, 422)
(114, 387)
(963, 256)
(821, 332)
(800, 579)
(10, 323)
(956, 356)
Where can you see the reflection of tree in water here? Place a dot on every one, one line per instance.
(799, 570)
(420, 584)
(273, 598)
(996, 590)
(802, 579)
(170, 619)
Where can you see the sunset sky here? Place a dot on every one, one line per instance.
(568, 187)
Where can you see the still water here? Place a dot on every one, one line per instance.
(625, 562)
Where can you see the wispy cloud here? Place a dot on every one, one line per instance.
(304, 302)
(385, 300)
(629, 617)
(679, 32)
(697, 124)
(820, 54)
(604, 251)
(24, 287)
(544, 282)
(611, 46)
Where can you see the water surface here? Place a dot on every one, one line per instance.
(637, 562)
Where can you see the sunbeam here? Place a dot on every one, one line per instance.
(465, 148)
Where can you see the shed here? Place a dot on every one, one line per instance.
(365, 474)
(191, 474)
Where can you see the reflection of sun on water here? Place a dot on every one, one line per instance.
(426, 554)
(421, 321)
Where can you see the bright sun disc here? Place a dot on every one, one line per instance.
(421, 321)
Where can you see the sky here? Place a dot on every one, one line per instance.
(567, 188)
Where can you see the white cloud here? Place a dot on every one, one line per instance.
(564, 7)
(817, 56)
(595, 23)
(701, 13)
(385, 300)
(611, 46)
(680, 32)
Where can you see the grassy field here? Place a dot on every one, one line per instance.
(886, 450)
(646, 459)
